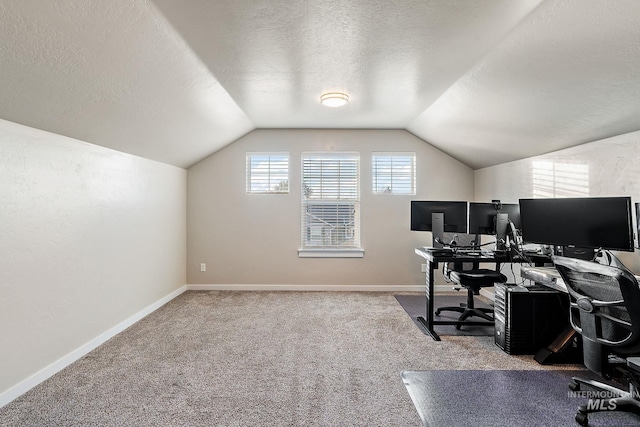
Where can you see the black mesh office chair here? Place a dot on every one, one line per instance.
(472, 278)
(605, 310)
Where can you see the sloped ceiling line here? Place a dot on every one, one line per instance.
(485, 81)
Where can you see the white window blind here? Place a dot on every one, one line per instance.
(267, 173)
(330, 200)
(394, 173)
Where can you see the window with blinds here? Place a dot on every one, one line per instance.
(394, 173)
(267, 173)
(330, 201)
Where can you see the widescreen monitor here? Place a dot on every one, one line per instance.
(482, 216)
(589, 222)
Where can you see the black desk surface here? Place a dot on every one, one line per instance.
(445, 255)
(432, 253)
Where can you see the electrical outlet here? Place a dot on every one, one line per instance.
(203, 266)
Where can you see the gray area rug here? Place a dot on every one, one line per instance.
(504, 398)
(416, 305)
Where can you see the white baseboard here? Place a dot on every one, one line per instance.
(444, 288)
(42, 375)
(488, 293)
(315, 288)
(485, 292)
(309, 288)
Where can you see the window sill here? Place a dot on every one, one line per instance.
(330, 253)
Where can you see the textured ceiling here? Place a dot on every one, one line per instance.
(487, 81)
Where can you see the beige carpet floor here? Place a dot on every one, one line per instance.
(257, 359)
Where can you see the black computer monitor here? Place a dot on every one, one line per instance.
(495, 219)
(589, 222)
(482, 216)
(438, 217)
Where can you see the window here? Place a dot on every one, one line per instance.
(267, 173)
(331, 204)
(394, 173)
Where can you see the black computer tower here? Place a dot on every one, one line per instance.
(528, 318)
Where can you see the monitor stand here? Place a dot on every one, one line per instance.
(437, 229)
(502, 226)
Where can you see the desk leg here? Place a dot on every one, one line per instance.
(427, 321)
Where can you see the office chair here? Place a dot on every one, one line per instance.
(472, 278)
(605, 310)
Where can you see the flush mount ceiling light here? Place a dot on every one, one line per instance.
(334, 99)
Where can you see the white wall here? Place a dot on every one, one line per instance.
(610, 167)
(88, 238)
(254, 239)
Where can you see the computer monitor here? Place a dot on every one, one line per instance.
(589, 222)
(438, 217)
(482, 216)
(494, 219)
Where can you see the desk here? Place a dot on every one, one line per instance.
(546, 276)
(433, 258)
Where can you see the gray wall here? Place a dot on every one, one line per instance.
(254, 239)
(88, 238)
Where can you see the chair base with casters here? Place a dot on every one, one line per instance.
(473, 280)
(614, 398)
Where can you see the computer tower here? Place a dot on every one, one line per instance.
(528, 318)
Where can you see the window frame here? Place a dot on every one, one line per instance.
(333, 192)
(376, 176)
(249, 173)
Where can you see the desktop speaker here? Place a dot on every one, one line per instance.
(528, 319)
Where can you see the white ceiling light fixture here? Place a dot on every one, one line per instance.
(334, 99)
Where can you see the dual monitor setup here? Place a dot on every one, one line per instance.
(441, 217)
(587, 223)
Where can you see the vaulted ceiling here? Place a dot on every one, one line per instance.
(486, 81)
